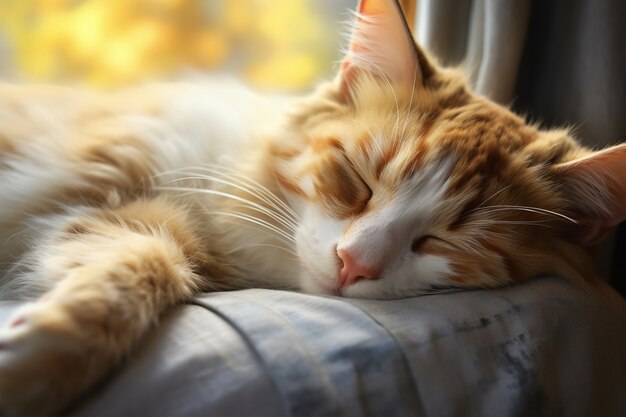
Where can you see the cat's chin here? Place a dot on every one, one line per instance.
(317, 287)
(314, 286)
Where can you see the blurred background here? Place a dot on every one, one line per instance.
(274, 44)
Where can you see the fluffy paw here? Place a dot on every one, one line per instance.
(41, 367)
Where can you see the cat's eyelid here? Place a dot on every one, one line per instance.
(419, 242)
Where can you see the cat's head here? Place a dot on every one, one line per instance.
(406, 181)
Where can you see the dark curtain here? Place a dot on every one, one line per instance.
(572, 72)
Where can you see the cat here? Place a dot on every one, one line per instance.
(391, 180)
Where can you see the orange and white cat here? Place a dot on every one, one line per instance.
(390, 181)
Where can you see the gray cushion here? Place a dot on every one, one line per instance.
(544, 347)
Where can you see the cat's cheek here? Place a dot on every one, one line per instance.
(317, 237)
(429, 270)
(321, 228)
(419, 274)
(296, 202)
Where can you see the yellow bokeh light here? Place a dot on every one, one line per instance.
(273, 43)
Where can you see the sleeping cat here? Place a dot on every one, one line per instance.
(390, 181)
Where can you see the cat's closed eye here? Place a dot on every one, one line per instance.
(422, 243)
(330, 179)
(419, 243)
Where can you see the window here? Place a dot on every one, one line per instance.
(277, 44)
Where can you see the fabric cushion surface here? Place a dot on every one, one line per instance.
(545, 347)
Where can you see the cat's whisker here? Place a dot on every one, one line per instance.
(280, 204)
(516, 222)
(227, 180)
(260, 222)
(536, 210)
(252, 187)
(290, 251)
(275, 215)
(285, 227)
(250, 182)
(494, 195)
(252, 205)
(278, 233)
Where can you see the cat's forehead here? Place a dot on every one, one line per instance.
(478, 138)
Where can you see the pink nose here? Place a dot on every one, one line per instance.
(351, 271)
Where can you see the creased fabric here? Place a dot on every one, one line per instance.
(541, 348)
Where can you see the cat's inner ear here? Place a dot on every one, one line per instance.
(595, 188)
(382, 46)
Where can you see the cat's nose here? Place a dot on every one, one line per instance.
(351, 271)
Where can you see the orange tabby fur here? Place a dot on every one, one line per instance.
(115, 220)
(495, 148)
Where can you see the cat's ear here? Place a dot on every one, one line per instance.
(595, 187)
(381, 45)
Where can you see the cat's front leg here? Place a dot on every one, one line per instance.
(114, 272)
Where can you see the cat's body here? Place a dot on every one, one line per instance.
(391, 181)
(68, 152)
